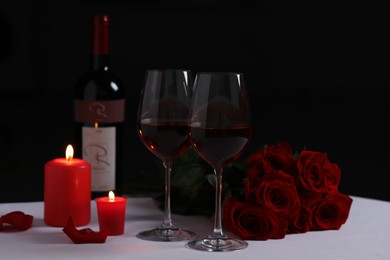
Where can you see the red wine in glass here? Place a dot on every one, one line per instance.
(220, 146)
(166, 140)
(162, 122)
(220, 132)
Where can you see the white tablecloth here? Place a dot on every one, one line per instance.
(365, 236)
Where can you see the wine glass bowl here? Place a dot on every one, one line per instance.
(162, 123)
(220, 131)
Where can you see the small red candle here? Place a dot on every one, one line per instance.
(67, 191)
(111, 214)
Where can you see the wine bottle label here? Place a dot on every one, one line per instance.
(99, 111)
(99, 150)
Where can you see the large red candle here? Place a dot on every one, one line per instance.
(111, 214)
(67, 191)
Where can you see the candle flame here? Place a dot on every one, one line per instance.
(69, 152)
(111, 196)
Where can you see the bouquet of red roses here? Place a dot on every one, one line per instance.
(287, 193)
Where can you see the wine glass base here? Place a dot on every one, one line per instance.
(217, 244)
(166, 234)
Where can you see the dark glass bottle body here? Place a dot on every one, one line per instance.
(99, 107)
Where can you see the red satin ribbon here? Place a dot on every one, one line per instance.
(85, 235)
(17, 219)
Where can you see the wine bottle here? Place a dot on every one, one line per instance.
(99, 114)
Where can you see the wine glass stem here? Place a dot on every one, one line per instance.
(218, 232)
(167, 205)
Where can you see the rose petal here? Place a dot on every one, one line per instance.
(85, 235)
(17, 219)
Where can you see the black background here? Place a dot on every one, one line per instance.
(317, 74)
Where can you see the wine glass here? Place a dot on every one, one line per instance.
(220, 131)
(162, 122)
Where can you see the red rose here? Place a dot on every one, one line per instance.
(277, 157)
(250, 222)
(331, 212)
(301, 222)
(257, 168)
(286, 194)
(275, 192)
(332, 175)
(310, 199)
(280, 156)
(311, 173)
